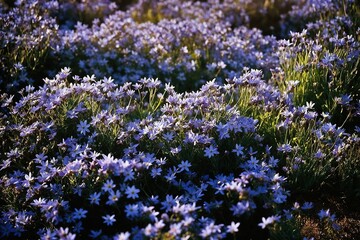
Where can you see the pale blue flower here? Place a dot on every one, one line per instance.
(210, 151)
(109, 219)
(132, 192)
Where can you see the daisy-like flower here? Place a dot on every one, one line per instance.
(95, 198)
(108, 186)
(238, 150)
(83, 127)
(211, 229)
(131, 210)
(240, 208)
(156, 172)
(79, 213)
(210, 151)
(269, 220)
(64, 233)
(175, 229)
(122, 236)
(109, 220)
(233, 227)
(48, 235)
(184, 166)
(132, 192)
(113, 197)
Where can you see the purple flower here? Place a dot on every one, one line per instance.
(325, 214)
(184, 166)
(168, 203)
(108, 186)
(210, 151)
(78, 227)
(307, 205)
(238, 150)
(64, 234)
(132, 210)
(95, 198)
(83, 127)
(319, 154)
(132, 192)
(285, 148)
(345, 99)
(79, 213)
(109, 220)
(49, 235)
(156, 172)
(113, 197)
(240, 208)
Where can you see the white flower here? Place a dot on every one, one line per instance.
(233, 227)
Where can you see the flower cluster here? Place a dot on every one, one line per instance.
(184, 52)
(27, 31)
(193, 122)
(150, 179)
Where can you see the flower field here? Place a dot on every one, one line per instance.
(179, 119)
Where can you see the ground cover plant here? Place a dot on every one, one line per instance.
(181, 119)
